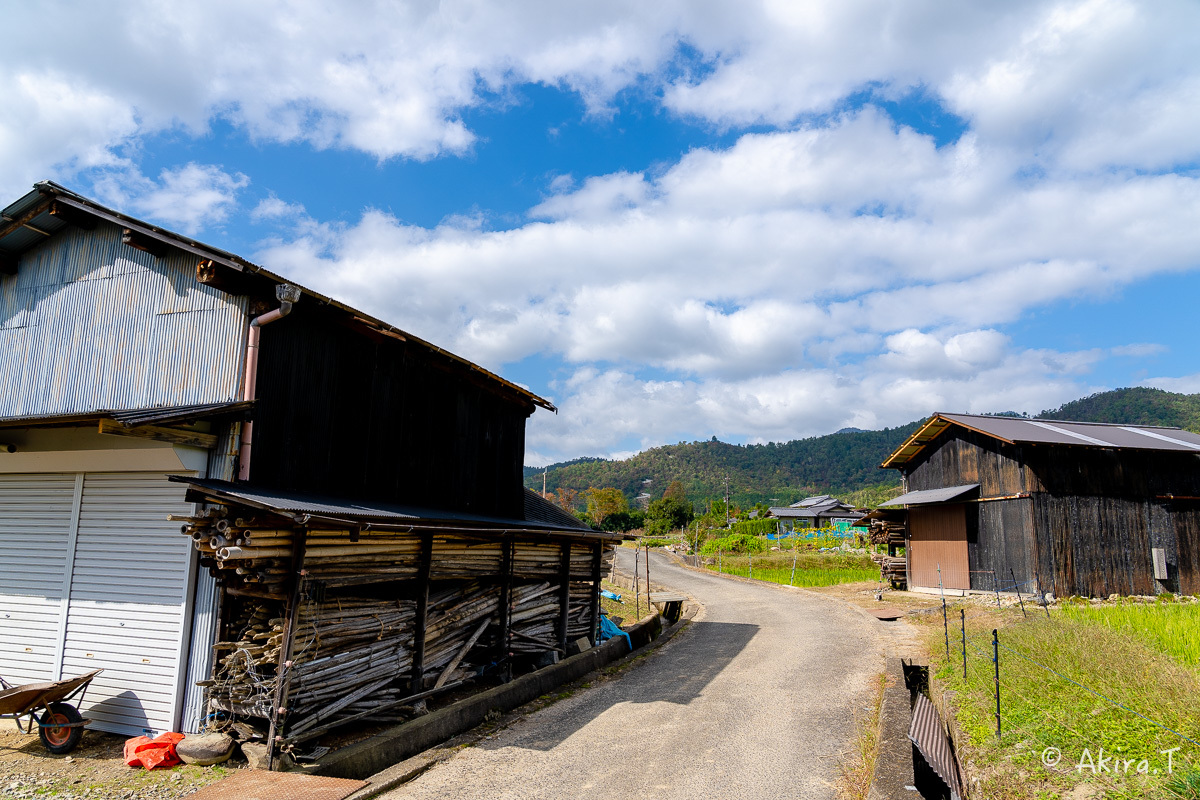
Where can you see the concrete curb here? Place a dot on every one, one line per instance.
(401, 754)
(893, 776)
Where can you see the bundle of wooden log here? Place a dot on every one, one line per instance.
(887, 532)
(893, 569)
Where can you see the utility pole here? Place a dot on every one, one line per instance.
(544, 482)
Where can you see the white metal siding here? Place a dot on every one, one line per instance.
(128, 604)
(35, 529)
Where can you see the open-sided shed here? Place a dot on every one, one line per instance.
(130, 354)
(1072, 508)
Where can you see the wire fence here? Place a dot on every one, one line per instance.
(1050, 709)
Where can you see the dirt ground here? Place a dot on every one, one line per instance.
(94, 770)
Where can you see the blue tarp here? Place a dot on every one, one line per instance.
(609, 629)
(611, 595)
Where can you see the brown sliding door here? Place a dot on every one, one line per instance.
(938, 535)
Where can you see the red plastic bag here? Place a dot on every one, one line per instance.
(141, 751)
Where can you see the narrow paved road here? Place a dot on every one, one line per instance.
(756, 699)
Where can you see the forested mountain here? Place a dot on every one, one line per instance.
(844, 464)
(1140, 406)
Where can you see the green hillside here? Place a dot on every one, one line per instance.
(1139, 406)
(844, 464)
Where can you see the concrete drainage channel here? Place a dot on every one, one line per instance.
(916, 756)
(401, 754)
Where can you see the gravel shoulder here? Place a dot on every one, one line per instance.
(756, 698)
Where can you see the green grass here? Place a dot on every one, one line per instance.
(1170, 628)
(812, 569)
(1041, 710)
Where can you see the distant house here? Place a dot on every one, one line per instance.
(821, 511)
(131, 356)
(1072, 508)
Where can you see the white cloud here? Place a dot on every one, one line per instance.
(1080, 84)
(1186, 384)
(188, 198)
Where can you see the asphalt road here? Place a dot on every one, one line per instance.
(755, 699)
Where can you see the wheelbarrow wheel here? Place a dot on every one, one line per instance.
(60, 740)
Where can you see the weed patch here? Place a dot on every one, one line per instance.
(1056, 734)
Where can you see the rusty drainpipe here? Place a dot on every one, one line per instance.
(287, 295)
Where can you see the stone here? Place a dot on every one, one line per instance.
(205, 748)
(256, 754)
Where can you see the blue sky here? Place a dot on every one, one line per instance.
(757, 221)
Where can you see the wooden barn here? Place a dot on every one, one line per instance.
(1071, 508)
(349, 495)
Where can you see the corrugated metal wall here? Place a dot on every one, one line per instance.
(90, 323)
(128, 604)
(36, 537)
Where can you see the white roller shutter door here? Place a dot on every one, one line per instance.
(36, 526)
(128, 611)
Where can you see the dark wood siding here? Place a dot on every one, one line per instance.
(1001, 545)
(1187, 531)
(959, 456)
(1097, 546)
(348, 412)
(1091, 519)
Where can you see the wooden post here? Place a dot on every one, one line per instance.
(283, 676)
(597, 557)
(506, 581)
(419, 624)
(564, 594)
(648, 604)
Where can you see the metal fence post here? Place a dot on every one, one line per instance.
(1017, 586)
(962, 615)
(946, 628)
(996, 661)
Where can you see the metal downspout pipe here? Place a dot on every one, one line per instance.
(287, 295)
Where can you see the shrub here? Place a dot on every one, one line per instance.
(755, 527)
(734, 543)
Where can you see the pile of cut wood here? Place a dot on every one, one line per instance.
(353, 643)
(893, 569)
(887, 532)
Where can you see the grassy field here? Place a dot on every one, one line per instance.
(812, 568)
(1055, 734)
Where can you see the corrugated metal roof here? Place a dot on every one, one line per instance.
(164, 415)
(539, 509)
(157, 415)
(927, 734)
(1048, 431)
(929, 496)
(18, 239)
(368, 511)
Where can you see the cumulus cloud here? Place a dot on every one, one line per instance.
(1082, 84)
(833, 267)
(188, 198)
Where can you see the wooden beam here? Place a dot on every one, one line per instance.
(72, 216)
(159, 434)
(147, 244)
(506, 581)
(283, 672)
(597, 560)
(12, 223)
(219, 276)
(564, 593)
(422, 620)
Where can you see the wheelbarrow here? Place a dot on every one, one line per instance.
(60, 727)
